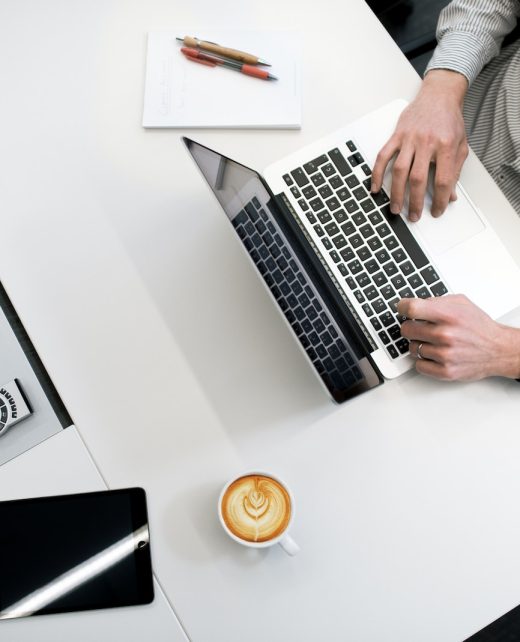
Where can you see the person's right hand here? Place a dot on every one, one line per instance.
(429, 130)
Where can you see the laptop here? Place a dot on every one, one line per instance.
(336, 261)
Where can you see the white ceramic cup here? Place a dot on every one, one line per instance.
(284, 539)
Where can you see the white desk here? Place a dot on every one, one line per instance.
(178, 373)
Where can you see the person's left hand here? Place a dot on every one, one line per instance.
(453, 339)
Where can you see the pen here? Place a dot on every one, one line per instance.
(212, 47)
(212, 61)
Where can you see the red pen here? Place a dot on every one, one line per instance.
(212, 61)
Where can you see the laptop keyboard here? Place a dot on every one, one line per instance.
(296, 295)
(373, 250)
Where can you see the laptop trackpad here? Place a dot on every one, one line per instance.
(459, 222)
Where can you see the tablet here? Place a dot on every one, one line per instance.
(74, 553)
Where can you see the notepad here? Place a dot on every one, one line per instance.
(182, 93)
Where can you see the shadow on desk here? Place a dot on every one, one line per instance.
(234, 339)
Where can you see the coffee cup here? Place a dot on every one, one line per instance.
(256, 509)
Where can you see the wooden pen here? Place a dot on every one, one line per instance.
(213, 47)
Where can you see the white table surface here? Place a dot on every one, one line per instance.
(178, 372)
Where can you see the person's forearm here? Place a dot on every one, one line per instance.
(507, 362)
(469, 36)
(447, 84)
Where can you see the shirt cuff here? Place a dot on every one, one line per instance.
(463, 52)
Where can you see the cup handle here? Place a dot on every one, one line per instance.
(289, 545)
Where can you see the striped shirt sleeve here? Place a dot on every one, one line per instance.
(470, 34)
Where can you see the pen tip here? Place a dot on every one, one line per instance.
(271, 77)
(180, 39)
(263, 62)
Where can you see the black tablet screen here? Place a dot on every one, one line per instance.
(74, 552)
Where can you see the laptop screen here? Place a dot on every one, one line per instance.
(286, 267)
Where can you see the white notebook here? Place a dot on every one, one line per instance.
(182, 93)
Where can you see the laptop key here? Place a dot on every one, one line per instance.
(308, 191)
(367, 309)
(381, 197)
(394, 332)
(376, 323)
(402, 345)
(351, 206)
(379, 305)
(406, 293)
(398, 255)
(328, 170)
(375, 243)
(332, 203)
(339, 161)
(325, 191)
(423, 293)
(355, 266)
(382, 256)
(343, 194)
(359, 296)
(332, 229)
(324, 216)
(316, 204)
(348, 228)
(288, 180)
(300, 177)
(326, 243)
(351, 283)
(363, 279)
(356, 159)
(356, 241)
(339, 241)
(371, 266)
(352, 181)
(429, 275)
(380, 279)
(351, 145)
(364, 253)
(398, 281)
(384, 337)
(334, 256)
(359, 193)
(317, 179)
(313, 165)
(368, 205)
(438, 289)
(383, 230)
(406, 237)
(391, 243)
(366, 170)
(370, 292)
(359, 218)
(303, 204)
(336, 181)
(407, 268)
(415, 281)
(340, 215)
(390, 268)
(342, 269)
(388, 292)
(347, 254)
(387, 319)
(392, 351)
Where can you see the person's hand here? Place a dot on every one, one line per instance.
(453, 339)
(429, 130)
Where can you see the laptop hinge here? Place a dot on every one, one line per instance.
(344, 307)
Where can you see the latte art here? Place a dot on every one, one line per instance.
(256, 508)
